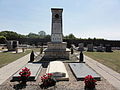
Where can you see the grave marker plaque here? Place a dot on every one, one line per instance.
(80, 70)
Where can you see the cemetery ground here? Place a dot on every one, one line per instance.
(8, 57)
(110, 59)
(72, 84)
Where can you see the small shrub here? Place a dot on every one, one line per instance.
(72, 51)
(32, 56)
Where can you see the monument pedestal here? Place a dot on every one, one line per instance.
(57, 51)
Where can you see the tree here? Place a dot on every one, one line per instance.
(10, 35)
(89, 38)
(2, 39)
(47, 36)
(42, 34)
(70, 36)
(94, 38)
(33, 35)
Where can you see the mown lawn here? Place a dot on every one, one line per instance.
(8, 57)
(111, 59)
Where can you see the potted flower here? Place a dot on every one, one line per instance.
(90, 82)
(47, 81)
(24, 75)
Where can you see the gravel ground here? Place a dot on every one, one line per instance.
(72, 84)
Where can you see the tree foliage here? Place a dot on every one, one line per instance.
(42, 34)
(2, 37)
(70, 36)
(47, 36)
(10, 35)
(33, 35)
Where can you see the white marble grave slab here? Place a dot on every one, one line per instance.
(58, 69)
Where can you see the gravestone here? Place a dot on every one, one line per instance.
(12, 45)
(81, 46)
(90, 47)
(108, 48)
(58, 69)
(80, 70)
(23, 49)
(35, 69)
(100, 49)
(56, 48)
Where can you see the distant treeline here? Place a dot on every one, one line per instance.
(42, 38)
(97, 42)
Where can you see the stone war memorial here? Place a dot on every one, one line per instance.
(57, 48)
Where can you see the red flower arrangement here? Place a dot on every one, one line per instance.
(46, 77)
(24, 74)
(47, 80)
(90, 82)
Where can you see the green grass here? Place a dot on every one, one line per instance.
(111, 59)
(8, 57)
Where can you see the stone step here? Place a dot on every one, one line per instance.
(80, 70)
(35, 69)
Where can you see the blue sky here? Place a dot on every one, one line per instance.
(83, 18)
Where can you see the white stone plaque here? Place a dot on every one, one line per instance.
(56, 37)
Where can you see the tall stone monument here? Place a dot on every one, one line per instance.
(57, 48)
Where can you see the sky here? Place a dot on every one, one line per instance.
(83, 18)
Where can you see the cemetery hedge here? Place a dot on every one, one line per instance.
(110, 59)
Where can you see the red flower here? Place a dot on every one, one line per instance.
(25, 72)
(46, 77)
(89, 81)
(49, 74)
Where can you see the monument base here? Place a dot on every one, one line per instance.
(56, 51)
